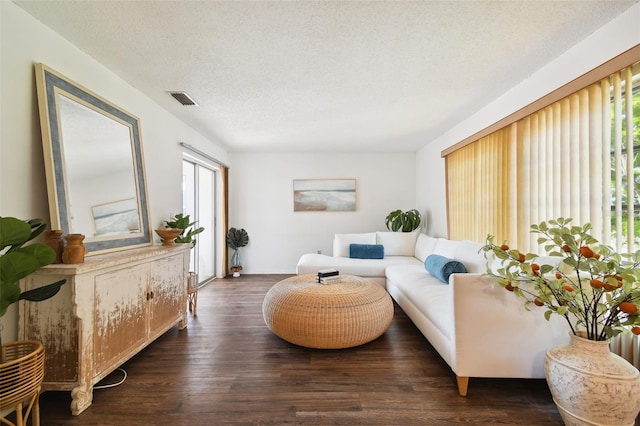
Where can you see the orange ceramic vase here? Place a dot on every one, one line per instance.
(74, 251)
(53, 238)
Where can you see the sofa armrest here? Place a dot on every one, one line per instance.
(494, 335)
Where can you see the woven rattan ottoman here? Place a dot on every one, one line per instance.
(327, 316)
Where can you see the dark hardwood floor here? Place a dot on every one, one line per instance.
(228, 368)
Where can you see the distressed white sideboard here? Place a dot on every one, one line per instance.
(110, 308)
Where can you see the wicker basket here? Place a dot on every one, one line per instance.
(21, 375)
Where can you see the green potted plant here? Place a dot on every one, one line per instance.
(187, 235)
(236, 238)
(597, 292)
(398, 220)
(187, 229)
(22, 362)
(19, 260)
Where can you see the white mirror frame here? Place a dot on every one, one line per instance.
(49, 84)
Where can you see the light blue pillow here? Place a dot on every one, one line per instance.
(366, 251)
(441, 267)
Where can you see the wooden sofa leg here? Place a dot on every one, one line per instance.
(463, 384)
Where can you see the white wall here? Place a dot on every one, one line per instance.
(261, 202)
(25, 41)
(609, 41)
(260, 183)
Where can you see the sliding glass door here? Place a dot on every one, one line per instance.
(199, 201)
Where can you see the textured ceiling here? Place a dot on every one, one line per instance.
(326, 75)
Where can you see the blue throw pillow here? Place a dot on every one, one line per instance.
(441, 267)
(366, 251)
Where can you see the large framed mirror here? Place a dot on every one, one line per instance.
(94, 165)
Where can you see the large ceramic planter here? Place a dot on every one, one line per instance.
(592, 386)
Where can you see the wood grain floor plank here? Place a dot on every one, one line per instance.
(227, 368)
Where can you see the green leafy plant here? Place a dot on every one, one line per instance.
(594, 288)
(407, 221)
(189, 231)
(18, 260)
(236, 238)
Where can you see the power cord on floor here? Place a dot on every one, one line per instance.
(112, 385)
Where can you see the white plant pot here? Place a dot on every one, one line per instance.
(592, 386)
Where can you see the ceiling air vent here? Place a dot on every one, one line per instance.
(184, 98)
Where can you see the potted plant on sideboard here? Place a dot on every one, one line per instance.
(188, 231)
(187, 235)
(236, 238)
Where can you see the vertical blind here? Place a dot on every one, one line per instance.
(574, 158)
(478, 184)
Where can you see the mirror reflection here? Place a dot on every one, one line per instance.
(94, 167)
(97, 154)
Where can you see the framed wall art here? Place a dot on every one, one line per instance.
(315, 195)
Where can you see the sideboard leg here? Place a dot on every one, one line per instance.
(82, 396)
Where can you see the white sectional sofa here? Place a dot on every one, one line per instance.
(477, 327)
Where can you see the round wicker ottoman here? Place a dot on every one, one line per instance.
(327, 316)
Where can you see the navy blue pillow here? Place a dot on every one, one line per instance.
(366, 251)
(441, 267)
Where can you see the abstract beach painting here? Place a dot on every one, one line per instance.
(313, 195)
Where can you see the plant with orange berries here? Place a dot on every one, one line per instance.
(594, 288)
